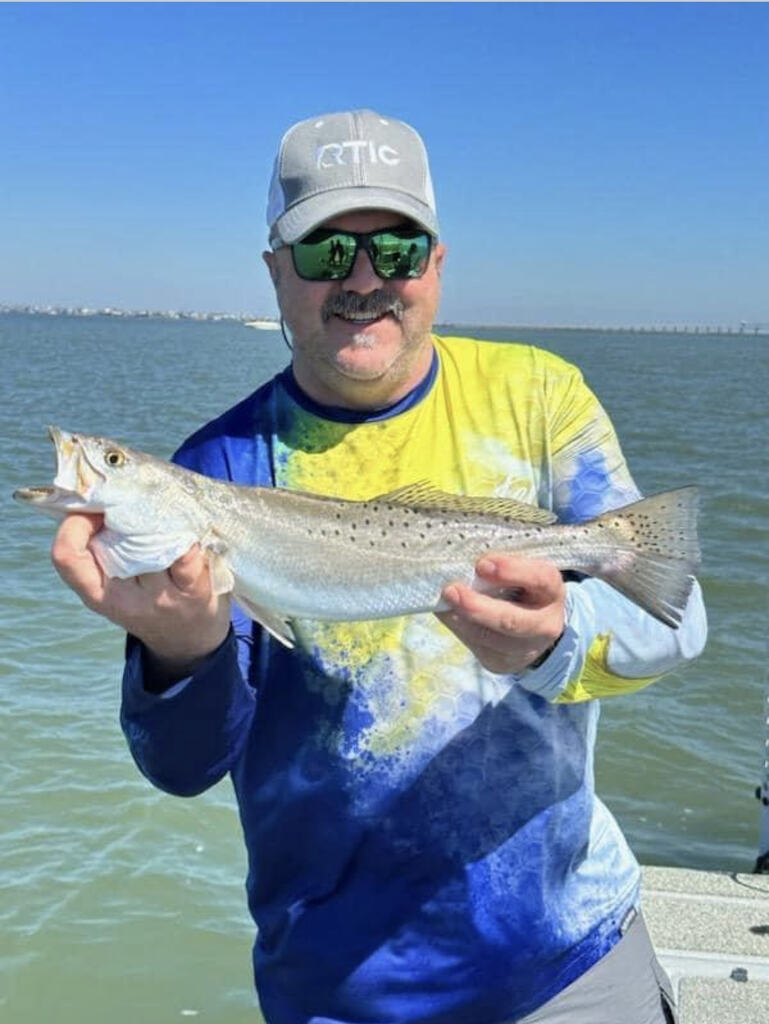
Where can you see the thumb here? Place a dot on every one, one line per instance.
(72, 557)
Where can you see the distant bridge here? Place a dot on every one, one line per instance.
(744, 327)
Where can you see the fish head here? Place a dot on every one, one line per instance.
(97, 474)
(73, 486)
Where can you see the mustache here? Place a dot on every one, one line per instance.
(374, 304)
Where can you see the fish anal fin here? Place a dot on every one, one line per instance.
(275, 624)
(423, 494)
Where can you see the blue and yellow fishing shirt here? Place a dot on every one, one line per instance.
(424, 840)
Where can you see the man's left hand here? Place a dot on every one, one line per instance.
(507, 634)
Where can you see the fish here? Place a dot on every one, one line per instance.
(288, 555)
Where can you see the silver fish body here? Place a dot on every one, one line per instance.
(289, 555)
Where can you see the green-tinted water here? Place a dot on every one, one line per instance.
(121, 903)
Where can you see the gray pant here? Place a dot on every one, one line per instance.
(628, 986)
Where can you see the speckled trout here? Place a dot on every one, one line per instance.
(287, 555)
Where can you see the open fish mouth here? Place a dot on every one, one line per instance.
(75, 473)
(53, 500)
(37, 494)
(74, 481)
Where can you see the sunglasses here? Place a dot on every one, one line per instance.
(396, 254)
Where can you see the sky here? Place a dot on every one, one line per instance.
(594, 163)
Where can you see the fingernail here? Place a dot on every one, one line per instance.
(487, 567)
(451, 594)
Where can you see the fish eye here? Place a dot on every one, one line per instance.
(114, 457)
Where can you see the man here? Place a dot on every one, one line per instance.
(424, 841)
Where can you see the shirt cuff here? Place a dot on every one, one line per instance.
(135, 695)
(564, 661)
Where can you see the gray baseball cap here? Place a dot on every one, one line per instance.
(336, 163)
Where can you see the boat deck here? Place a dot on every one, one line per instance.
(711, 933)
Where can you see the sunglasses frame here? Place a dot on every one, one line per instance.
(363, 240)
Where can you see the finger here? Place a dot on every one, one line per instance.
(538, 581)
(475, 636)
(495, 652)
(187, 574)
(507, 617)
(190, 572)
(153, 584)
(75, 533)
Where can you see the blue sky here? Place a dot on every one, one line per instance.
(593, 163)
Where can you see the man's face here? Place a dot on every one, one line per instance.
(344, 353)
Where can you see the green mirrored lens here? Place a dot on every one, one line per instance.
(398, 254)
(323, 256)
(327, 255)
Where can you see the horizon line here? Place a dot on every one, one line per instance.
(30, 309)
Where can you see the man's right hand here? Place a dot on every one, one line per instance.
(174, 613)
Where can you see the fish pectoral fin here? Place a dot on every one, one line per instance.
(222, 578)
(275, 624)
(424, 495)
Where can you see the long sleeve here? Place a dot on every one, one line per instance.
(610, 645)
(186, 739)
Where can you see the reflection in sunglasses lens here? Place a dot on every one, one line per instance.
(326, 256)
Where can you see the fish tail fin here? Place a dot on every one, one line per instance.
(659, 552)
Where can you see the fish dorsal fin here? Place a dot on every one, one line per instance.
(424, 495)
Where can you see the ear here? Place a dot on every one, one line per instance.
(440, 256)
(272, 265)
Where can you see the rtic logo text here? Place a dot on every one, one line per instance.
(355, 151)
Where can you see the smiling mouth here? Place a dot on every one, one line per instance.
(353, 308)
(361, 318)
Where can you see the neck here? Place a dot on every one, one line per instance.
(363, 395)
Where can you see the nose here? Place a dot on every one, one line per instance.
(363, 278)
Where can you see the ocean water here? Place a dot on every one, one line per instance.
(120, 903)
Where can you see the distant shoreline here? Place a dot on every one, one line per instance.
(742, 328)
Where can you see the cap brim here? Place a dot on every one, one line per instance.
(308, 214)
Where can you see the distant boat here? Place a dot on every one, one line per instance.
(263, 324)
